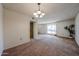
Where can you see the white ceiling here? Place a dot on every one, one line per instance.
(53, 11)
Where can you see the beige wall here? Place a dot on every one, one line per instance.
(1, 29)
(36, 30)
(42, 28)
(16, 28)
(60, 27)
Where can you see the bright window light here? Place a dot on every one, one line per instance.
(51, 29)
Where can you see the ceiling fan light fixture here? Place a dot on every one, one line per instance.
(43, 14)
(34, 13)
(36, 16)
(39, 12)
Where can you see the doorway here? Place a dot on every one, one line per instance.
(31, 30)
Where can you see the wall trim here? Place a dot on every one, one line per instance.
(64, 37)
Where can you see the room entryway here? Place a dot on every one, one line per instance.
(31, 30)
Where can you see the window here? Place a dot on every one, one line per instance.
(51, 28)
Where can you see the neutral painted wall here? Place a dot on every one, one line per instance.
(1, 29)
(60, 27)
(36, 30)
(16, 28)
(42, 28)
(77, 29)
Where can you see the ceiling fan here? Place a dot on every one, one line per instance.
(38, 13)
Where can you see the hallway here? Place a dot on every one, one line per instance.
(46, 45)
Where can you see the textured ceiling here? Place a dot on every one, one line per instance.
(53, 11)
